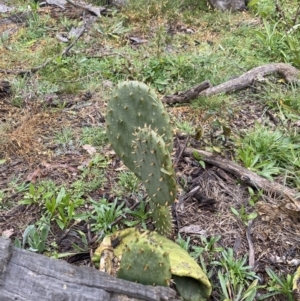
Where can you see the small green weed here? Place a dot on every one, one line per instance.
(34, 237)
(140, 215)
(104, 214)
(116, 30)
(57, 206)
(33, 196)
(235, 276)
(243, 215)
(279, 286)
(91, 179)
(208, 245)
(62, 207)
(207, 252)
(280, 35)
(2, 196)
(37, 26)
(199, 158)
(128, 182)
(243, 293)
(254, 196)
(185, 127)
(270, 152)
(143, 9)
(64, 137)
(264, 8)
(184, 244)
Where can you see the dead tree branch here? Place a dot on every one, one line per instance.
(248, 176)
(289, 73)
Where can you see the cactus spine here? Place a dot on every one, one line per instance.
(138, 128)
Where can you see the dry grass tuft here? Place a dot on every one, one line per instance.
(22, 136)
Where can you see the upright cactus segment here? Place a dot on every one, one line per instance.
(162, 219)
(134, 105)
(154, 165)
(138, 128)
(144, 261)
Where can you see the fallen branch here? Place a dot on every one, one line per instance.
(96, 10)
(289, 73)
(80, 33)
(248, 176)
(187, 96)
(250, 244)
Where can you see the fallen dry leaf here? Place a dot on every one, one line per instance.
(8, 233)
(90, 149)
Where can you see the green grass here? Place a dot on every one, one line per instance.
(127, 183)
(271, 152)
(94, 136)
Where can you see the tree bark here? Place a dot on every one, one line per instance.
(27, 276)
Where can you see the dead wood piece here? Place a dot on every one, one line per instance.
(289, 73)
(5, 88)
(187, 96)
(93, 9)
(80, 32)
(181, 150)
(27, 276)
(250, 244)
(250, 177)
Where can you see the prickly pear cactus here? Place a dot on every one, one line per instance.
(139, 131)
(154, 164)
(150, 258)
(145, 262)
(134, 105)
(162, 219)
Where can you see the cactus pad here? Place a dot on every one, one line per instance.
(154, 165)
(162, 219)
(145, 262)
(150, 258)
(132, 105)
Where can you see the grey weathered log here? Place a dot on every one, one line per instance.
(187, 96)
(289, 73)
(27, 276)
(232, 5)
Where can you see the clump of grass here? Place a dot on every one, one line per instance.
(95, 136)
(127, 183)
(271, 153)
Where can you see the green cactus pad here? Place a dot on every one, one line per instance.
(190, 281)
(162, 218)
(132, 105)
(154, 165)
(145, 262)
